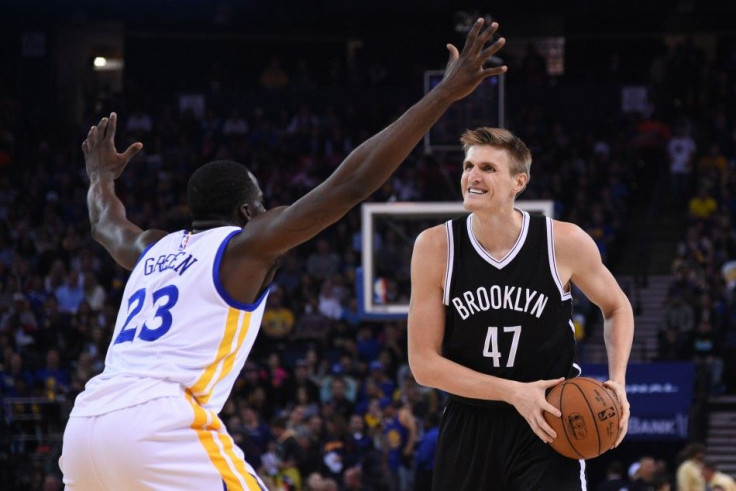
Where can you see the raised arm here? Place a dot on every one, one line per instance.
(426, 327)
(124, 240)
(370, 165)
(580, 261)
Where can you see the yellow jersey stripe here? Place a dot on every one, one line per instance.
(227, 366)
(231, 327)
(227, 443)
(220, 451)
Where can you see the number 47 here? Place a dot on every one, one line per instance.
(490, 350)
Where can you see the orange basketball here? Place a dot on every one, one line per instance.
(590, 418)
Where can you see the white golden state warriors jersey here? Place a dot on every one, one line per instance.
(177, 331)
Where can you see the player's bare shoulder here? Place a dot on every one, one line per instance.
(432, 242)
(573, 248)
(429, 259)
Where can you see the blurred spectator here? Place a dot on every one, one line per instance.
(615, 479)
(324, 262)
(273, 77)
(643, 478)
(714, 478)
(52, 379)
(704, 349)
(139, 123)
(681, 151)
(399, 435)
(94, 293)
(702, 206)
(70, 295)
(235, 125)
(278, 319)
(424, 457)
(690, 471)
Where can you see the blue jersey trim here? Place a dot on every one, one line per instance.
(221, 289)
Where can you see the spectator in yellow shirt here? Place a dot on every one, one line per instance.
(690, 472)
(713, 477)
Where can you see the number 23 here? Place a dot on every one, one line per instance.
(163, 312)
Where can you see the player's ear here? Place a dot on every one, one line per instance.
(521, 179)
(244, 213)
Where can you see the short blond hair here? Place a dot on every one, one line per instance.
(520, 158)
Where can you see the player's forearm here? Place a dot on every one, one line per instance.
(618, 332)
(104, 206)
(109, 224)
(440, 373)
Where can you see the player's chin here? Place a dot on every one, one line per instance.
(472, 203)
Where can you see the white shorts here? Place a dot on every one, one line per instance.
(168, 443)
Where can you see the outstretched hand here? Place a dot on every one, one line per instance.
(465, 69)
(100, 156)
(530, 400)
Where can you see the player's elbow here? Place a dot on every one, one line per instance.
(96, 233)
(421, 366)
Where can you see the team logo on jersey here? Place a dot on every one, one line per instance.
(184, 241)
(576, 423)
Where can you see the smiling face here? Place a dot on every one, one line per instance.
(487, 181)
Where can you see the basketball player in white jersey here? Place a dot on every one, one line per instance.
(192, 307)
(490, 323)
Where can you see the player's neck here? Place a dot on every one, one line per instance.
(202, 225)
(497, 231)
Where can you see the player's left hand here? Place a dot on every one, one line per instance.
(620, 391)
(100, 156)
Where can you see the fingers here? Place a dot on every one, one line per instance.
(132, 150)
(472, 35)
(483, 38)
(619, 392)
(85, 146)
(491, 50)
(552, 410)
(92, 137)
(454, 55)
(541, 428)
(552, 382)
(103, 127)
(112, 126)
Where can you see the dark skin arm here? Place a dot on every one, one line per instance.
(124, 240)
(252, 253)
(250, 258)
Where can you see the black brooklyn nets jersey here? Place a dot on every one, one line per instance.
(510, 317)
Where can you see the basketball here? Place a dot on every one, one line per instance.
(589, 425)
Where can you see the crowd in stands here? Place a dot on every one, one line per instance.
(699, 318)
(326, 401)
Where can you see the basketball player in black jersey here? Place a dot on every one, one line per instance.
(490, 324)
